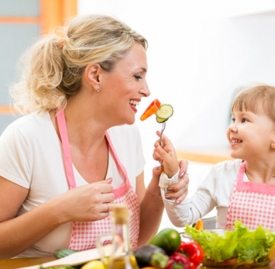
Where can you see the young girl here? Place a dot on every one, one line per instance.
(242, 189)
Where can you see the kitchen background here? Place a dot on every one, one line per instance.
(200, 53)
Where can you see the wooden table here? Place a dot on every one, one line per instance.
(23, 262)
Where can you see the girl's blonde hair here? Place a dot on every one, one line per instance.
(54, 64)
(251, 99)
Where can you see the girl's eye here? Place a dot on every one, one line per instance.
(244, 120)
(232, 120)
(137, 77)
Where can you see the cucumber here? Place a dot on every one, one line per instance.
(160, 120)
(168, 239)
(164, 112)
(61, 253)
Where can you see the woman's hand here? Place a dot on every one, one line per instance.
(90, 202)
(178, 191)
(166, 155)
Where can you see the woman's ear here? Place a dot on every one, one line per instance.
(92, 72)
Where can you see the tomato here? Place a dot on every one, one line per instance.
(192, 250)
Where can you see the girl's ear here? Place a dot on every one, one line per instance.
(92, 72)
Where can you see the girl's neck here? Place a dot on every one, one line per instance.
(261, 172)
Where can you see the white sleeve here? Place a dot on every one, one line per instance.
(193, 208)
(15, 157)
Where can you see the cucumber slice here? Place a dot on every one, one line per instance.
(164, 112)
(160, 120)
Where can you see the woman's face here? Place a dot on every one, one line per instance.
(124, 86)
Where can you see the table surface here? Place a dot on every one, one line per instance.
(23, 262)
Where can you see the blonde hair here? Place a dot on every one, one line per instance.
(54, 64)
(251, 99)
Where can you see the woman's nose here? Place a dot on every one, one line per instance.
(145, 90)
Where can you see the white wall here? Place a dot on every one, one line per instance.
(199, 53)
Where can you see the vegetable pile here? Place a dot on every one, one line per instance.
(239, 246)
(164, 251)
(176, 254)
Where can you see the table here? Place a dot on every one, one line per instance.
(23, 262)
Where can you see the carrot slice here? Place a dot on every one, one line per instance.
(199, 225)
(151, 109)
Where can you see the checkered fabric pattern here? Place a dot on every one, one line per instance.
(251, 203)
(85, 234)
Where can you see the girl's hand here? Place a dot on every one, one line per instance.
(166, 155)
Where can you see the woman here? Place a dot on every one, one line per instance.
(77, 151)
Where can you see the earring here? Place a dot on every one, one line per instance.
(97, 89)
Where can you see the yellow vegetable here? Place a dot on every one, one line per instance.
(271, 254)
(95, 264)
(199, 225)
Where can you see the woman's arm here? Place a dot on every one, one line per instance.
(151, 206)
(19, 233)
(85, 203)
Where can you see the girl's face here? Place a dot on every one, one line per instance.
(250, 134)
(124, 86)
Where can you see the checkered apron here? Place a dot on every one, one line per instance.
(84, 234)
(251, 203)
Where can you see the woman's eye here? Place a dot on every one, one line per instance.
(138, 77)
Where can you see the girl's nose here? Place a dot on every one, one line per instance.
(232, 127)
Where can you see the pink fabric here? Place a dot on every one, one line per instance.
(251, 203)
(84, 234)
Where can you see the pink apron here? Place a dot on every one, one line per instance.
(251, 203)
(84, 234)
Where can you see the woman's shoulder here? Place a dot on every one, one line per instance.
(27, 124)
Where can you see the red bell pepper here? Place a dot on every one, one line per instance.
(193, 251)
(178, 261)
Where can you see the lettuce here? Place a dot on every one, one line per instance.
(241, 243)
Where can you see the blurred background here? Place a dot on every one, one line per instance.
(200, 53)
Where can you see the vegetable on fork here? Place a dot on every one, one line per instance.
(162, 112)
(151, 109)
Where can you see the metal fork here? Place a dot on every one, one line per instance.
(161, 132)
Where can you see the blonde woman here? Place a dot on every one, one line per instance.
(77, 150)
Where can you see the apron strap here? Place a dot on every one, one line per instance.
(61, 121)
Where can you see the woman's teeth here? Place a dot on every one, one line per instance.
(133, 103)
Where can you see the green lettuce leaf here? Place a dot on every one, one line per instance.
(240, 242)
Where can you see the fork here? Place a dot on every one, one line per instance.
(161, 132)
